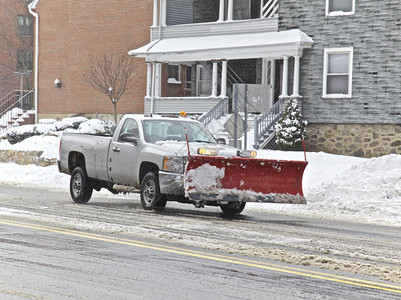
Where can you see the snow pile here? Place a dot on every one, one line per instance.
(335, 186)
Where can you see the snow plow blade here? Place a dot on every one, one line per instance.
(229, 179)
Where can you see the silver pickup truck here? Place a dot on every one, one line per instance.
(146, 154)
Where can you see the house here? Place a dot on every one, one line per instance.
(68, 34)
(16, 59)
(209, 45)
(338, 58)
(350, 78)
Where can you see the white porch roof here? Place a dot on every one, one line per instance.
(226, 47)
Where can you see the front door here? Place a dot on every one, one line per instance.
(204, 80)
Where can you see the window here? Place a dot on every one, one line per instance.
(130, 126)
(241, 9)
(24, 60)
(337, 77)
(24, 25)
(340, 7)
(174, 74)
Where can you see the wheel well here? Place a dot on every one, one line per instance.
(76, 159)
(147, 167)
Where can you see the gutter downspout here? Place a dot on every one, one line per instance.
(30, 8)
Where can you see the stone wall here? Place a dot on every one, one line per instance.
(25, 158)
(362, 140)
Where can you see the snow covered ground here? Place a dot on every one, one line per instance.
(335, 186)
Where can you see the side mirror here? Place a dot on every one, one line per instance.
(221, 141)
(129, 138)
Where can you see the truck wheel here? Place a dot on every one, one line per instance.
(80, 187)
(151, 198)
(233, 208)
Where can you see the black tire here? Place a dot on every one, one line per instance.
(80, 187)
(151, 198)
(233, 208)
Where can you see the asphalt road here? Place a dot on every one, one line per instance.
(51, 248)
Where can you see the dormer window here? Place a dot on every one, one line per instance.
(340, 7)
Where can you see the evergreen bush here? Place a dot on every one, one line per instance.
(291, 128)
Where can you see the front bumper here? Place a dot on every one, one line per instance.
(171, 183)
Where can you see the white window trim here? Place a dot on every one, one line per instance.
(327, 51)
(174, 80)
(339, 13)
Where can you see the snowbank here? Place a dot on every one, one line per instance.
(335, 186)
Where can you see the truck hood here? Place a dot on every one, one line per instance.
(180, 148)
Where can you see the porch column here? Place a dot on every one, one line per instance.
(295, 93)
(214, 79)
(230, 10)
(221, 11)
(152, 98)
(149, 80)
(158, 80)
(163, 12)
(224, 79)
(155, 12)
(284, 93)
(273, 81)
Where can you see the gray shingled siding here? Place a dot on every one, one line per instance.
(375, 33)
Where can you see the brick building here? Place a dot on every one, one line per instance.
(69, 32)
(16, 46)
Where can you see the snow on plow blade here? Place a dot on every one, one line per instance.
(212, 178)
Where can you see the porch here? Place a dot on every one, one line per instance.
(212, 55)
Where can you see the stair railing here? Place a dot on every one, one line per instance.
(25, 103)
(220, 109)
(266, 122)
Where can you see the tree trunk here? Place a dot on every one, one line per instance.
(115, 111)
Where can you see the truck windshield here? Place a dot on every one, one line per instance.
(165, 130)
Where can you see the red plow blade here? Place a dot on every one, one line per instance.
(212, 178)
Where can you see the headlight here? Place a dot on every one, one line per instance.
(174, 164)
(208, 151)
(247, 153)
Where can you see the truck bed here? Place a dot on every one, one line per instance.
(95, 149)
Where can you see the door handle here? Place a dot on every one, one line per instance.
(116, 149)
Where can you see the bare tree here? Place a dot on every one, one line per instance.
(109, 74)
(16, 42)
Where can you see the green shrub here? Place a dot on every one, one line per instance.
(291, 128)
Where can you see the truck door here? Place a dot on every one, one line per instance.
(123, 157)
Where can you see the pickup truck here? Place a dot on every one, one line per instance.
(146, 154)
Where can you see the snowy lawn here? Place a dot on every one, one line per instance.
(335, 186)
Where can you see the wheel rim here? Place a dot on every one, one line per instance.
(149, 192)
(77, 185)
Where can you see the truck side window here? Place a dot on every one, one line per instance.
(130, 126)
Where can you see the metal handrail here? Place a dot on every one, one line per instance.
(25, 102)
(266, 122)
(232, 76)
(6, 98)
(220, 109)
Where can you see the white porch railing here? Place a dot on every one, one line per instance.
(174, 105)
(268, 8)
(220, 109)
(217, 28)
